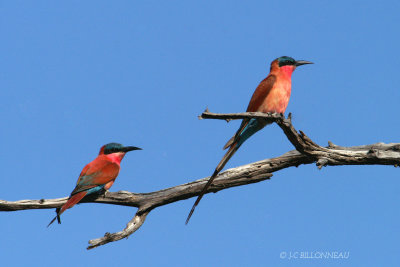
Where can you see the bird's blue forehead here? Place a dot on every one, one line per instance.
(286, 61)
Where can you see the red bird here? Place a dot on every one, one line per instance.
(97, 176)
(271, 95)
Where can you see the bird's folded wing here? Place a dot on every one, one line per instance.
(98, 172)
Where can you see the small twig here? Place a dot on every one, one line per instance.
(130, 228)
(238, 116)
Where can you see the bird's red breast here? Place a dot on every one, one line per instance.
(273, 93)
(102, 170)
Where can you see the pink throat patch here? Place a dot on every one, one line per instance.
(287, 70)
(116, 157)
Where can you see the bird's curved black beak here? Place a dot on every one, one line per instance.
(130, 148)
(302, 62)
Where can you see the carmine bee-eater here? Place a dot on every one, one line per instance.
(271, 95)
(98, 175)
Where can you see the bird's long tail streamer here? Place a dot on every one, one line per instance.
(72, 201)
(234, 147)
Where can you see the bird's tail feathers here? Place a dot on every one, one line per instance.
(72, 201)
(230, 142)
(233, 148)
(228, 155)
(53, 220)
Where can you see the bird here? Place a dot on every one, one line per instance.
(97, 176)
(271, 96)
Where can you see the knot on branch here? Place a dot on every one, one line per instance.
(322, 162)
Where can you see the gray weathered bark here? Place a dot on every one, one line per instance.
(306, 152)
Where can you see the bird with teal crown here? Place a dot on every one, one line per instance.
(97, 176)
(271, 96)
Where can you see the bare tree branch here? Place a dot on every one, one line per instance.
(306, 152)
(375, 154)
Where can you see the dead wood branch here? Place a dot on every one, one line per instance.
(306, 152)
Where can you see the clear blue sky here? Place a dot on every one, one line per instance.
(77, 75)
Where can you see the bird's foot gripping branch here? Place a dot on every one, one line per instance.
(307, 152)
